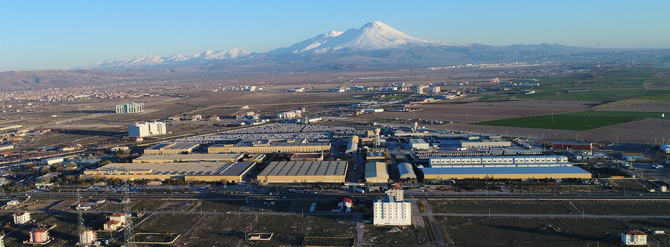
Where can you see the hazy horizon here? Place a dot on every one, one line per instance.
(39, 35)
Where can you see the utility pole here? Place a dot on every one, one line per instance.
(128, 234)
(80, 218)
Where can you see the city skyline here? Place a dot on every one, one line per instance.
(63, 35)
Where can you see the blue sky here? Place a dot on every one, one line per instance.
(65, 34)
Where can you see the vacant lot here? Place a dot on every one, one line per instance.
(467, 111)
(219, 230)
(167, 223)
(499, 206)
(604, 207)
(396, 236)
(288, 230)
(574, 121)
(483, 231)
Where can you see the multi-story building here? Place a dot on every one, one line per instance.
(112, 225)
(121, 217)
(147, 129)
(21, 218)
(39, 235)
(87, 237)
(634, 238)
(392, 210)
(130, 108)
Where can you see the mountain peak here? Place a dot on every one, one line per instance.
(332, 33)
(377, 25)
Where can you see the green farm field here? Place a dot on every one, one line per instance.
(575, 120)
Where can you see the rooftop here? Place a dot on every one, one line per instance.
(190, 157)
(507, 170)
(203, 168)
(305, 168)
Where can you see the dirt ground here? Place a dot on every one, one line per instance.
(474, 111)
(647, 131)
(648, 107)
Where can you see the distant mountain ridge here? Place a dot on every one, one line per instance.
(374, 46)
(174, 59)
(371, 36)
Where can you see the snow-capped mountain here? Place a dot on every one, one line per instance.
(174, 59)
(374, 45)
(371, 36)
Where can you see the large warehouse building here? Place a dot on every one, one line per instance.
(271, 146)
(206, 171)
(503, 167)
(304, 172)
(505, 173)
(376, 172)
(174, 158)
(406, 172)
(499, 161)
(171, 148)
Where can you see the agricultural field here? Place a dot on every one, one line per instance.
(485, 231)
(576, 120)
(596, 85)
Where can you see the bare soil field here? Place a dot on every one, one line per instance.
(483, 231)
(646, 131)
(499, 206)
(469, 112)
(512, 131)
(645, 107)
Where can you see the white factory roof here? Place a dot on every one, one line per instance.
(204, 168)
(189, 157)
(305, 168)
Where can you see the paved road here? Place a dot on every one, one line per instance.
(431, 220)
(360, 233)
(585, 216)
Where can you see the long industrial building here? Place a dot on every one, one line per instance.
(304, 172)
(171, 148)
(499, 161)
(271, 146)
(485, 144)
(174, 158)
(206, 171)
(506, 173)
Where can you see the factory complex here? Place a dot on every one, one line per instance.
(560, 172)
(204, 171)
(304, 172)
(175, 158)
(271, 146)
(171, 148)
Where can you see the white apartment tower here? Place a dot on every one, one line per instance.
(146, 129)
(87, 237)
(130, 108)
(392, 210)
